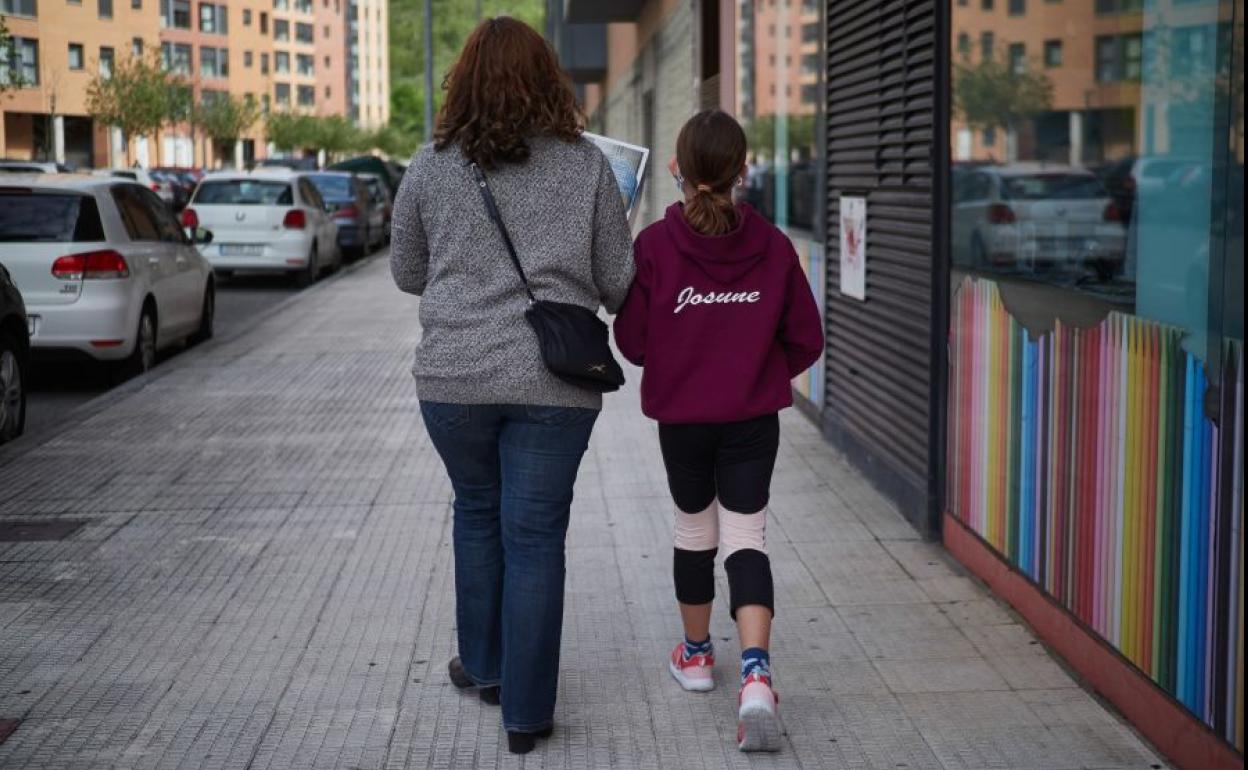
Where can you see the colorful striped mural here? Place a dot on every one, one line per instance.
(1086, 458)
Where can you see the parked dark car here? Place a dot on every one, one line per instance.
(295, 164)
(360, 219)
(14, 359)
(182, 179)
(382, 201)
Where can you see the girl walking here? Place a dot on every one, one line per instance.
(721, 318)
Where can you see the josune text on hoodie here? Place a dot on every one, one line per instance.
(721, 324)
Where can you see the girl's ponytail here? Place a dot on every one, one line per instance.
(710, 152)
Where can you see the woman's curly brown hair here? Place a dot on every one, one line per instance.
(505, 87)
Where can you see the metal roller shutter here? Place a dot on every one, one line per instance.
(881, 133)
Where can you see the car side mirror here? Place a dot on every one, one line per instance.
(201, 236)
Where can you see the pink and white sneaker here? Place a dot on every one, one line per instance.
(758, 718)
(693, 673)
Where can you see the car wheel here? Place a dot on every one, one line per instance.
(307, 276)
(143, 357)
(12, 389)
(207, 314)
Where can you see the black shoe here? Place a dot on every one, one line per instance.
(490, 695)
(523, 743)
(459, 677)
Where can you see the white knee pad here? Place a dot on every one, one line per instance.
(742, 530)
(697, 531)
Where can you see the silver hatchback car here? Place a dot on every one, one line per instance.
(104, 268)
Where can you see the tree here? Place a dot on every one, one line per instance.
(994, 94)
(10, 75)
(225, 118)
(138, 98)
(453, 20)
(334, 135)
(289, 130)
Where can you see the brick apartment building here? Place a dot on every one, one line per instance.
(322, 57)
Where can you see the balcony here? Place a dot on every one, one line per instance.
(601, 11)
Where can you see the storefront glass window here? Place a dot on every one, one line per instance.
(780, 99)
(1095, 396)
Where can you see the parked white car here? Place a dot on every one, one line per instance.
(32, 167)
(1033, 217)
(263, 220)
(104, 268)
(140, 175)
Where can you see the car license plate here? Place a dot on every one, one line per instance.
(242, 249)
(32, 325)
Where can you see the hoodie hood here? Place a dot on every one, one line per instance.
(724, 258)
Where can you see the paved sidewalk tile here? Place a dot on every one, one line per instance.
(264, 581)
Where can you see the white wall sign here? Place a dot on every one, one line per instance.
(854, 247)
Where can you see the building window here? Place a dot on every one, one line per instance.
(214, 62)
(1018, 58)
(328, 91)
(175, 14)
(136, 5)
(19, 8)
(305, 64)
(305, 33)
(76, 57)
(247, 59)
(107, 57)
(1192, 51)
(264, 64)
(1118, 58)
(212, 19)
(986, 5)
(266, 104)
(176, 58)
(281, 94)
(281, 30)
(307, 96)
(136, 47)
(264, 23)
(1018, 7)
(246, 17)
(964, 45)
(1052, 53)
(106, 9)
(304, 6)
(990, 137)
(328, 59)
(1108, 7)
(281, 5)
(986, 43)
(22, 60)
(281, 63)
(325, 30)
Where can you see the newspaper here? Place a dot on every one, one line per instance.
(628, 163)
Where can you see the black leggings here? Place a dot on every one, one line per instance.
(730, 463)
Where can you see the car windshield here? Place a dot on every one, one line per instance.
(244, 192)
(335, 188)
(30, 217)
(1052, 187)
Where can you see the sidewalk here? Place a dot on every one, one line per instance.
(264, 581)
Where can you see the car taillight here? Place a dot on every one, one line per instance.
(155, 187)
(91, 265)
(295, 219)
(190, 219)
(1001, 214)
(348, 211)
(1112, 213)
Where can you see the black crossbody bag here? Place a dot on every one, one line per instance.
(573, 340)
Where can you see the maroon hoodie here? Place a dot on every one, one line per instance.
(720, 323)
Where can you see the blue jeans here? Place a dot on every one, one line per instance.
(512, 468)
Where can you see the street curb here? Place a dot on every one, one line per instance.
(12, 450)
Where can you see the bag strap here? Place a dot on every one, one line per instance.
(492, 208)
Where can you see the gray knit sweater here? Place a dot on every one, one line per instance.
(566, 218)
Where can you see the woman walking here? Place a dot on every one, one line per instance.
(510, 433)
(722, 318)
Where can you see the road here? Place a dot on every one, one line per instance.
(58, 389)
